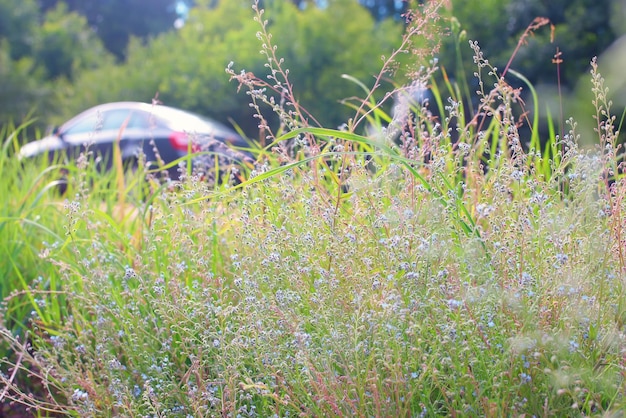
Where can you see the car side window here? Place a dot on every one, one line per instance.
(108, 120)
(87, 124)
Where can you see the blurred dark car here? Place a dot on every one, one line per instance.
(161, 133)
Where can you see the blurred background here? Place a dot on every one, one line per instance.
(58, 58)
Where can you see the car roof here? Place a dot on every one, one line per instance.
(173, 117)
(157, 109)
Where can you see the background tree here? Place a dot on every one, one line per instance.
(320, 39)
(582, 30)
(40, 53)
(116, 21)
(18, 23)
(22, 81)
(66, 45)
(383, 9)
(187, 67)
(317, 57)
(23, 92)
(380, 9)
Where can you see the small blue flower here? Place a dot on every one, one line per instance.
(454, 304)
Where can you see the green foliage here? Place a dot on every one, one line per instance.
(582, 29)
(317, 57)
(18, 23)
(38, 55)
(116, 21)
(186, 68)
(21, 88)
(194, 76)
(67, 45)
(21, 78)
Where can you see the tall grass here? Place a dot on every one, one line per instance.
(417, 266)
(26, 223)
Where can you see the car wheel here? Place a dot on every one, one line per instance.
(61, 182)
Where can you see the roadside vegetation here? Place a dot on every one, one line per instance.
(423, 261)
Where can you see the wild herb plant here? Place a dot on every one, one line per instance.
(426, 264)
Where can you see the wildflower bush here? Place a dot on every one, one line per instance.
(401, 265)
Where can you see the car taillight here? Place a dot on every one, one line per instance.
(180, 141)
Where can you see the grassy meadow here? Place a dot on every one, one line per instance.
(430, 261)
